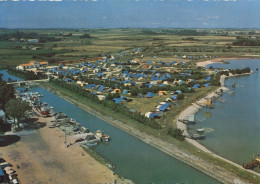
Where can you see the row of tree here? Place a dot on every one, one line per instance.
(27, 75)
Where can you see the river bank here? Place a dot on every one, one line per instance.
(205, 166)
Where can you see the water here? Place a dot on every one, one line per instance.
(235, 119)
(7, 76)
(132, 158)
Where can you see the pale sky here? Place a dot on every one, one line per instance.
(129, 13)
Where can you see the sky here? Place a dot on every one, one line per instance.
(129, 14)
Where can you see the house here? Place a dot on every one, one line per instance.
(25, 66)
(32, 64)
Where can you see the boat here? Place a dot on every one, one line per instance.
(100, 135)
(200, 134)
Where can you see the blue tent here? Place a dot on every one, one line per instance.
(117, 100)
(207, 78)
(125, 91)
(101, 88)
(178, 92)
(90, 86)
(163, 108)
(196, 86)
(67, 79)
(1, 172)
(207, 85)
(173, 97)
(163, 78)
(157, 74)
(150, 95)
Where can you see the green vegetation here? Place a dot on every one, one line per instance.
(176, 133)
(17, 109)
(27, 75)
(63, 44)
(240, 71)
(6, 93)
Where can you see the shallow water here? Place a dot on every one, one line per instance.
(236, 117)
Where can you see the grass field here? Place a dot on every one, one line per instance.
(155, 42)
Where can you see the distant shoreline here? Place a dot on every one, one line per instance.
(218, 60)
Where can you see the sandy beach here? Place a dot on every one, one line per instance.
(43, 158)
(216, 60)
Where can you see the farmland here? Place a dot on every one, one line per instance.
(65, 44)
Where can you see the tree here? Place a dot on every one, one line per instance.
(6, 93)
(17, 109)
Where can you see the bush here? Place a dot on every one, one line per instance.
(176, 133)
(180, 96)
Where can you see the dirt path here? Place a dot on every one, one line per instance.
(43, 158)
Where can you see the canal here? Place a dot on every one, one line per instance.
(132, 158)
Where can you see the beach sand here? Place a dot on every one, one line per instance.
(44, 158)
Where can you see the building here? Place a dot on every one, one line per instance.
(31, 65)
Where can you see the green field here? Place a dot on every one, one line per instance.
(154, 42)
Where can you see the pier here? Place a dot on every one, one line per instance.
(23, 83)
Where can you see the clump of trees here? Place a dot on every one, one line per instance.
(240, 71)
(242, 41)
(6, 94)
(176, 133)
(17, 109)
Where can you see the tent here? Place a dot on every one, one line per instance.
(178, 92)
(162, 93)
(174, 97)
(150, 115)
(117, 90)
(150, 95)
(117, 100)
(125, 91)
(207, 85)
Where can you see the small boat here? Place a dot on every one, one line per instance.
(100, 135)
